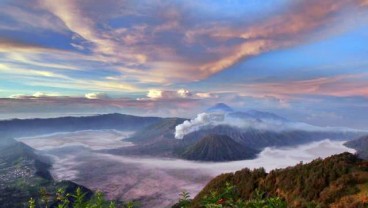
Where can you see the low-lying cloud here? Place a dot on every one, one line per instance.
(155, 181)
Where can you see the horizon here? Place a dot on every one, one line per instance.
(303, 60)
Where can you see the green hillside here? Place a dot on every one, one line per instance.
(337, 181)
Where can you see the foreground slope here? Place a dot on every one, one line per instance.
(218, 148)
(338, 181)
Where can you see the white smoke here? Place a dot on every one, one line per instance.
(266, 124)
(220, 118)
(202, 119)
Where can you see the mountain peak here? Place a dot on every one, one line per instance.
(220, 107)
(216, 147)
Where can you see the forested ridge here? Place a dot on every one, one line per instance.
(338, 181)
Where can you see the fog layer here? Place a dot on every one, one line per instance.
(154, 181)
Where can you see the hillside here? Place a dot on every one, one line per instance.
(360, 145)
(163, 128)
(23, 174)
(338, 181)
(218, 148)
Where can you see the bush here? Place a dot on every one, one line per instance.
(77, 199)
(228, 198)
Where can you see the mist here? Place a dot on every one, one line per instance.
(213, 119)
(156, 182)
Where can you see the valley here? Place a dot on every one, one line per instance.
(153, 181)
(141, 159)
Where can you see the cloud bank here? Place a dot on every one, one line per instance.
(130, 176)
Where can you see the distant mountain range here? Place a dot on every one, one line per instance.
(154, 136)
(360, 145)
(262, 129)
(31, 127)
(158, 139)
(257, 115)
(247, 114)
(260, 138)
(218, 148)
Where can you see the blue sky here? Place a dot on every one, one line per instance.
(302, 59)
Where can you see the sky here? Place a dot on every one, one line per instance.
(305, 60)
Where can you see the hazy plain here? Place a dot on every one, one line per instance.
(156, 182)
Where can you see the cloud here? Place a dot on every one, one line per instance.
(164, 94)
(166, 177)
(198, 48)
(83, 22)
(295, 26)
(34, 60)
(205, 95)
(96, 95)
(14, 45)
(177, 44)
(10, 69)
(27, 16)
(35, 95)
(41, 103)
(157, 94)
(339, 86)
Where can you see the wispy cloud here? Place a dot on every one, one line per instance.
(339, 86)
(145, 44)
(295, 26)
(171, 45)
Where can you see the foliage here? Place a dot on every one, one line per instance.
(78, 199)
(226, 199)
(318, 184)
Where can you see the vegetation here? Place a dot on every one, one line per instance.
(227, 198)
(78, 199)
(338, 181)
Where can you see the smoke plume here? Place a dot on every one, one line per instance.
(245, 120)
(202, 119)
